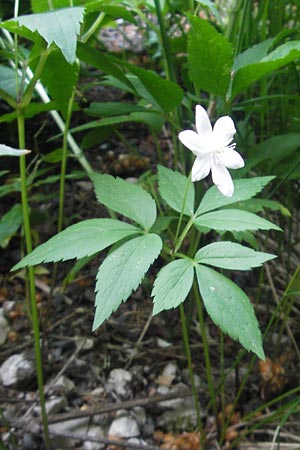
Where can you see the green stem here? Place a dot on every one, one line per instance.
(208, 369)
(191, 372)
(32, 291)
(96, 24)
(37, 75)
(183, 234)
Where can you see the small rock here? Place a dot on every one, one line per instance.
(170, 370)
(124, 426)
(136, 441)
(59, 431)
(140, 415)
(4, 327)
(119, 382)
(65, 382)
(53, 405)
(84, 343)
(94, 433)
(17, 369)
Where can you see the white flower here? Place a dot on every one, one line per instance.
(212, 149)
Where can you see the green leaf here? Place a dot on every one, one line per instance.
(256, 205)
(125, 198)
(39, 6)
(121, 273)
(172, 285)
(100, 61)
(230, 309)
(281, 56)
(152, 119)
(112, 109)
(234, 220)
(9, 151)
(161, 93)
(161, 224)
(252, 55)
(79, 240)
(210, 57)
(8, 81)
(11, 221)
(31, 110)
(60, 26)
(229, 255)
(60, 78)
(176, 190)
(243, 189)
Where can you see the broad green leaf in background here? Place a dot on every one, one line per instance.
(252, 55)
(112, 109)
(100, 61)
(125, 198)
(79, 240)
(39, 6)
(230, 309)
(172, 285)
(60, 78)
(8, 81)
(31, 110)
(176, 190)
(210, 57)
(256, 205)
(152, 119)
(281, 56)
(121, 272)
(61, 26)
(5, 150)
(10, 222)
(229, 255)
(211, 7)
(164, 93)
(235, 220)
(243, 189)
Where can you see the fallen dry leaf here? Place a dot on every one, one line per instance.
(183, 441)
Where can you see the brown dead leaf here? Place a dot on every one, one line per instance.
(272, 374)
(183, 441)
(111, 437)
(165, 380)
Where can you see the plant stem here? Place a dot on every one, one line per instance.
(191, 372)
(32, 291)
(206, 350)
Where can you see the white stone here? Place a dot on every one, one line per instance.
(16, 369)
(78, 427)
(124, 426)
(95, 433)
(119, 382)
(54, 405)
(4, 327)
(170, 370)
(140, 415)
(65, 382)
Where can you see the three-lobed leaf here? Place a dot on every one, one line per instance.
(121, 273)
(243, 190)
(233, 220)
(172, 284)
(79, 240)
(176, 190)
(125, 198)
(230, 309)
(229, 255)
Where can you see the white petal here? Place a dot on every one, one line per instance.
(224, 130)
(201, 168)
(203, 125)
(192, 141)
(231, 159)
(222, 179)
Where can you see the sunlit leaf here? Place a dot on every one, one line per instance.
(172, 285)
(79, 240)
(229, 255)
(121, 273)
(230, 309)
